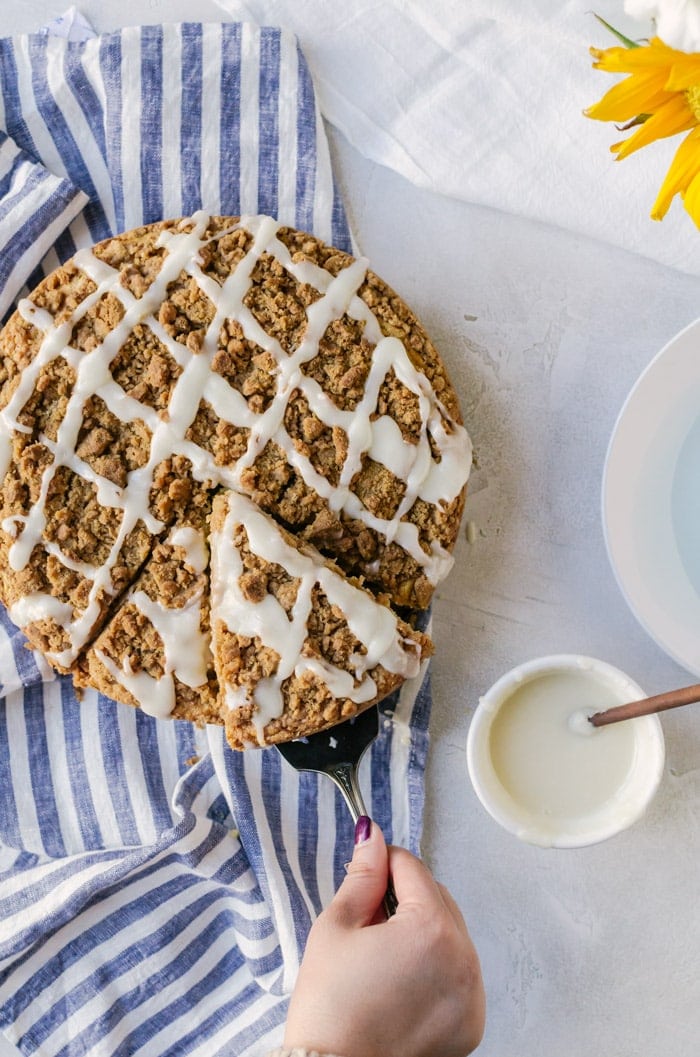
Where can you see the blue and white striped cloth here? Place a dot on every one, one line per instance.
(156, 889)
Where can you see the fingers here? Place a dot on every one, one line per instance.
(358, 901)
(414, 884)
(454, 910)
(360, 895)
(413, 881)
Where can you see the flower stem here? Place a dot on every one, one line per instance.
(616, 33)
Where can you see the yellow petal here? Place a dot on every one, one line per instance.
(630, 60)
(642, 93)
(685, 73)
(682, 171)
(691, 199)
(670, 119)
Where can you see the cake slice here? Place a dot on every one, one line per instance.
(298, 647)
(155, 651)
(67, 550)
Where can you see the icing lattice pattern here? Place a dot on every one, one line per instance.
(354, 652)
(233, 381)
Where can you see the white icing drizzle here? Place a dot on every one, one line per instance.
(155, 696)
(194, 544)
(424, 478)
(186, 648)
(374, 625)
(38, 606)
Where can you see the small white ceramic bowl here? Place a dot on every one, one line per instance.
(627, 795)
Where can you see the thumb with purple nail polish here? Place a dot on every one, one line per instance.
(369, 986)
(363, 828)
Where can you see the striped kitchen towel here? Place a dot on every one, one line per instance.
(156, 889)
(35, 208)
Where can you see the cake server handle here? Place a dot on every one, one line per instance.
(345, 777)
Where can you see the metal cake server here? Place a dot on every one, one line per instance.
(337, 753)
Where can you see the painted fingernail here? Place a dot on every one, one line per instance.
(363, 828)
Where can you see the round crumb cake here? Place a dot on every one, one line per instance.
(232, 466)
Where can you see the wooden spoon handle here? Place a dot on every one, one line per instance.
(686, 695)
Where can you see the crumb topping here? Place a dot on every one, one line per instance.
(211, 356)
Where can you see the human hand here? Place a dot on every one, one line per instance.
(407, 987)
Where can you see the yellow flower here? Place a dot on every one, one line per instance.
(660, 97)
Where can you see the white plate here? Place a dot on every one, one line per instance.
(651, 498)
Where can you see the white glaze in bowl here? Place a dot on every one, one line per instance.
(542, 773)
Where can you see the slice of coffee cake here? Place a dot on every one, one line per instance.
(297, 646)
(155, 650)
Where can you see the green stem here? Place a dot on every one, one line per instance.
(616, 33)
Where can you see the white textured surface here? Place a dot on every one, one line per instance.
(585, 952)
(589, 951)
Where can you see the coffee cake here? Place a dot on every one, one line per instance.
(207, 357)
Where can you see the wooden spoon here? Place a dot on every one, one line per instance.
(686, 695)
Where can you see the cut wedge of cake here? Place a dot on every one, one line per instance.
(155, 651)
(298, 647)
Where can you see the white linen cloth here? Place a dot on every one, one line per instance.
(482, 101)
